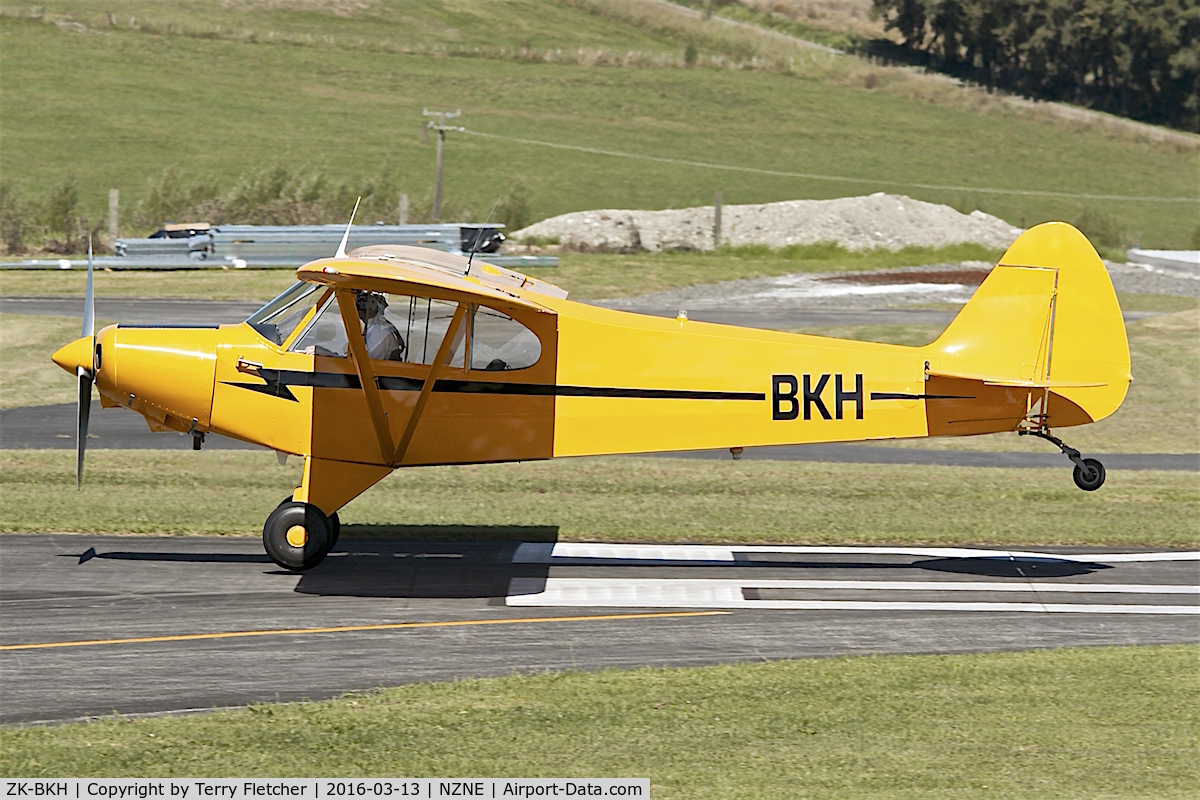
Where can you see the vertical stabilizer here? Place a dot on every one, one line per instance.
(1044, 329)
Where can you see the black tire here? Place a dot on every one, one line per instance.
(316, 539)
(335, 524)
(1092, 478)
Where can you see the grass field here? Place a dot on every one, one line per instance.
(116, 108)
(1097, 723)
(611, 499)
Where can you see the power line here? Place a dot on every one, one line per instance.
(836, 178)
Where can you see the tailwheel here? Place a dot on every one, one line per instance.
(297, 536)
(1090, 475)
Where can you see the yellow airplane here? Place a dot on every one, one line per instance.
(395, 356)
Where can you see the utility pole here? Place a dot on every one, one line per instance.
(439, 124)
(114, 205)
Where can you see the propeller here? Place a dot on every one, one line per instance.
(85, 375)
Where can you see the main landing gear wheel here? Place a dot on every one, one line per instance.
(1090, 476)
(297, 536)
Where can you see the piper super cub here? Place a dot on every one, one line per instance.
(395, 356)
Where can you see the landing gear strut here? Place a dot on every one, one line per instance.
(1089, 473)
(298, 536)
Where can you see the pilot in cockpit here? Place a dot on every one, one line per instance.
(384, 342)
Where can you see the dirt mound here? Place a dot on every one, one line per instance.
(856, 223)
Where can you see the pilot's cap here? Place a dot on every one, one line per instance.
(363, 299)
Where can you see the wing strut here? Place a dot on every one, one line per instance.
(439, 361)
(366, 372)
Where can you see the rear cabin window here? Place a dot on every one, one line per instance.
(499, 342)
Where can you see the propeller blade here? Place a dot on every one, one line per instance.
(89, 303)
(85, 408)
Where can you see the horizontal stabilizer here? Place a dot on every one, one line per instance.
(992, 380)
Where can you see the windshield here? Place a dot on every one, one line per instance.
(278, 318)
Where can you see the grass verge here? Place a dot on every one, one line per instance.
(618, 499)
(27, 375)
(1099, 723)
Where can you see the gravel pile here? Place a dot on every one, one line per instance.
(856, 223)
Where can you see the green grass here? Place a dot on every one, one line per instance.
(1097, 723)
(1157, 302)
(27, 375)
(126, 104)
(611, 499)
(200, 284)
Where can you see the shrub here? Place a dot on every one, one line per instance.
(513, 210)
(14, 218)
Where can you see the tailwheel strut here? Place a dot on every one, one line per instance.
(1089, 472)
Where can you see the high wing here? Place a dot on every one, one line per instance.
(403, 269)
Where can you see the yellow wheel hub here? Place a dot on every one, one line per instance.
(297, 536)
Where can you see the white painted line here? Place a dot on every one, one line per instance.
(1048, 608)
(546, 552)
(649, 593)
(936, 586)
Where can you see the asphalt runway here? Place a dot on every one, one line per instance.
(96, 625)
(135, 311)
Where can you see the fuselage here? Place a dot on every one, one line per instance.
(533, 375)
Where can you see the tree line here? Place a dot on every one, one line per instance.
(1136, 58)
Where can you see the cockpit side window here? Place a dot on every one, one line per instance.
(325, 335)
(499, 342)
(277, 320)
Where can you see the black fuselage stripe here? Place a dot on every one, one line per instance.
(342, 380)
(904, 396)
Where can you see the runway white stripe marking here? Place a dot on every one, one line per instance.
(919, 586)
(545, 552)
(650, 593)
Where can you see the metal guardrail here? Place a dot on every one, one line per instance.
(269, 247)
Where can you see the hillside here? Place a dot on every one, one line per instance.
(334, 89)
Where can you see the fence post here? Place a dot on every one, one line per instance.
(402, 216)
(114, 205)
(717, 220)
